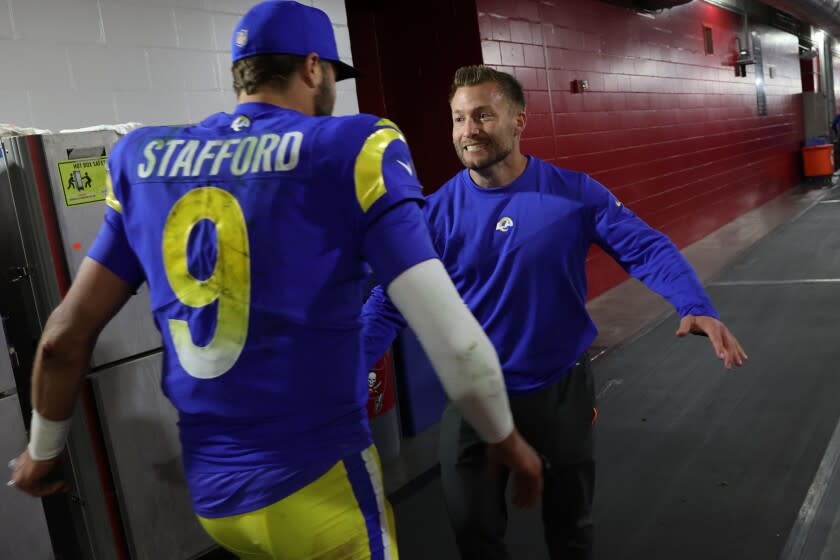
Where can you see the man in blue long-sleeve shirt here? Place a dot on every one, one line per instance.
(513, 232)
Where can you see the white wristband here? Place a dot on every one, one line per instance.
(47, 437)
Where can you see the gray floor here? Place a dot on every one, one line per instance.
(698, 462)
(695, 461)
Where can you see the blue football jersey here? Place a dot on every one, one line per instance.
(249, 230)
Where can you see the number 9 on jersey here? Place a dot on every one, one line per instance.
(230, 282)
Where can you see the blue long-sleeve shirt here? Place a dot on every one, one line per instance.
(517, 256)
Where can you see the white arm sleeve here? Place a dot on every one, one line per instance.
(461, 354)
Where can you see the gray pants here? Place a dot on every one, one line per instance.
(557, 422)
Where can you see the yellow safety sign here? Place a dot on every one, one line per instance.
(83, 180)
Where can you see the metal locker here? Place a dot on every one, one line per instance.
(141, 434)
(132, 331)
(129, 498)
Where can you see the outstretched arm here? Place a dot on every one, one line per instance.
(652, 258)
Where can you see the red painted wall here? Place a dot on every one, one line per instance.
(670, 130)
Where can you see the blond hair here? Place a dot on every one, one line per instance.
(481, 74)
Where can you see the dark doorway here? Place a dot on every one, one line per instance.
(408, 53)
(809, 67)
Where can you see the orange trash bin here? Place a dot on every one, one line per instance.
(818, 160)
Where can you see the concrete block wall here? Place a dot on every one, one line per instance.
(74, 63)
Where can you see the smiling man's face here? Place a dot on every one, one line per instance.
(485, 125)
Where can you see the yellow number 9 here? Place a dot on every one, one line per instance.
(230, 282)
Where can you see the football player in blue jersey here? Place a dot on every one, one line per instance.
(513, 232)
(252, 230)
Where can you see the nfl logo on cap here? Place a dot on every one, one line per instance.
(287, 27)
(241, 37)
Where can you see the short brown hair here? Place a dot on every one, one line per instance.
(274, 70)
(481, 74)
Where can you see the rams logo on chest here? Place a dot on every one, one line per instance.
(504, 224)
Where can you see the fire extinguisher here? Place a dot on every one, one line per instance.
(381, 394)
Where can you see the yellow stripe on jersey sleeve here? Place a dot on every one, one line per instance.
(388, 122)
(370, 183)
(110, 197)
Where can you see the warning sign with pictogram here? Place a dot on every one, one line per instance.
(83, 180)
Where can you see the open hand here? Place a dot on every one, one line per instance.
(726, 346)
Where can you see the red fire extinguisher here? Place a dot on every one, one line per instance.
(381, 395)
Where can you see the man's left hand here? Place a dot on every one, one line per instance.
(726, 346)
